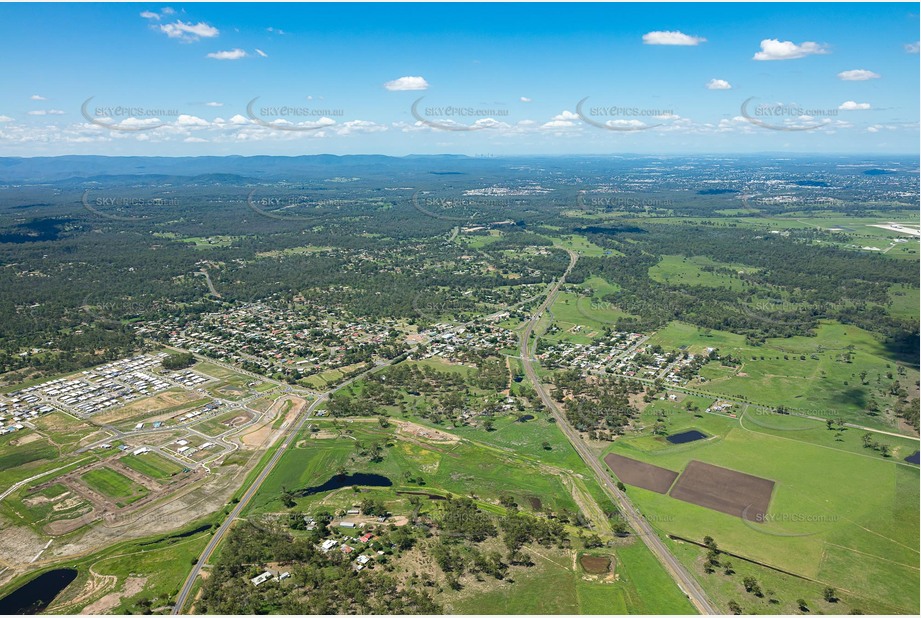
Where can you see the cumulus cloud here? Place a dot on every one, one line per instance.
(562, 120)
(718, 84)
(772, 49)
(230, 54)
(186, 120)
(188, 31)
(37, 97)
(150, 15)
(525, 100)
(660, 37)
(5, 118)
(857, 75)
(407, 83)
(853, 105)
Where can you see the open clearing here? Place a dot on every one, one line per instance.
(639, 474)
(724, 490)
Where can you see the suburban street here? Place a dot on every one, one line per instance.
(681, 576)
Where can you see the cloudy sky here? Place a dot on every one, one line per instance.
(479, 79)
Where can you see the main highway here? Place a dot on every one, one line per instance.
(679, 573)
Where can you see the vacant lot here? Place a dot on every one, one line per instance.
(152, 465)
(724, 490)
(114, 485)
(639, 474)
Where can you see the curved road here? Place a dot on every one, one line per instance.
(682, 577)
(218, 536)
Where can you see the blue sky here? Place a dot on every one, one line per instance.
(175, 80)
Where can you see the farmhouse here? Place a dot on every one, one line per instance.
(262, 578)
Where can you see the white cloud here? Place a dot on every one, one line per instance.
(195, 140)
(718, 84)
(913, 48)
(168, 10)
(407, 83)
(37, 97)
(660, 37)
(359, 127)
(564, 119)
(853, 105)
(525, 100)
(5, 118)
(275, 30)
(213, 104)
(230, 54)
(46, 112)
(261, 53)
(772, 49)
(150, 15)
(189, 32)
(857, 75)
(185, 120)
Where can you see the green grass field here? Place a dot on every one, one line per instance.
(14, 456)
(152, 465)
(687, 271)
(114, 485)
(216, 424)
(839, 514)
(822, 375)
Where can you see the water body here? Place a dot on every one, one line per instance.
(913, 458)
(686, 436)
(34, 596)
(347, 480)
(525, 418)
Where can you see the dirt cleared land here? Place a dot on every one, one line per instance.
(639, 474)
(724, 490)
(263, 435)
(160, 401)
(595, 565)
(131, 587)
(426, 433)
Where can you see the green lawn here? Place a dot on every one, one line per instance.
(114, 485)
(152, 465)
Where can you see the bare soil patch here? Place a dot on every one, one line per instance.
(131, 587)
(724, 490)
(639, 474)
(426, 433)
(595, 565)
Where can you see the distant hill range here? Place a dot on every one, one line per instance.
(89, 167)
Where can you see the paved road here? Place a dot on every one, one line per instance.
(681, 576)
(218, 536)
(288, 435)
